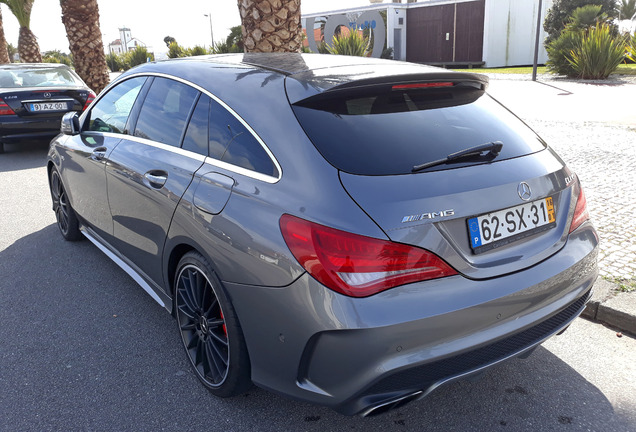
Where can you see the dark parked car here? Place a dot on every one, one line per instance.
(350, 232)
(34, 97)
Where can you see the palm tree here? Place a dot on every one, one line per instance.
(81, 20)
(628, 9)
(28, 47)
(4, 53)
(271, 26)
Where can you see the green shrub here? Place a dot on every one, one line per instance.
(196, 50)
(323, 48)
(115, 62)
(630, 48)
(136, 57)
(559, 51)
(224, 48)
(175, 50)
(353, 44)
(598, 54)
(57, 56)
(559, 14)
(575, 54)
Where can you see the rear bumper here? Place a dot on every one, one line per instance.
(352, 355)
(16, 128)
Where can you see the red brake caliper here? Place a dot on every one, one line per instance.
(224, 328)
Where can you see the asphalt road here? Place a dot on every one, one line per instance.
(83, 348)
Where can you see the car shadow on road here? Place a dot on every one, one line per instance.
(25, 155)
(82, 347)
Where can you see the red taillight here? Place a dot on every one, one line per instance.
(422, 85)
(356, 265)
(89, 99)
(5, 109)
(580, 212)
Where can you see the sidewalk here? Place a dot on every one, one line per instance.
(592, 126)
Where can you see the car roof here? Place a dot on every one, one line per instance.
(21, 66)
(306, 74)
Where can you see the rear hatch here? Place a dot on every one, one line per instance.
(44, 102)
(503, 206)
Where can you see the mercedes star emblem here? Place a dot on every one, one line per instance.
(524, 191)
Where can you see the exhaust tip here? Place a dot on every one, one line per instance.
(383, 407)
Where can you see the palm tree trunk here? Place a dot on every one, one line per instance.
(4, 53)
(81, 19)
(28, 47)
(271, 25)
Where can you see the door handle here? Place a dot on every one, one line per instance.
(99, 153)
(156, 179)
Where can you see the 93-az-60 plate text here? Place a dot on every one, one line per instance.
(48, 106)
(499, 228)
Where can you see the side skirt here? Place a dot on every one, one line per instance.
(149, 286)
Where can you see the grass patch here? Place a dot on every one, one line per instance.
(624, 69)
(624, 285)
(506, 70)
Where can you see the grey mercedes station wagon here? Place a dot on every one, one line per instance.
(350, 232)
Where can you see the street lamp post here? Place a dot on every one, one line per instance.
(209, 15)
(536, 44)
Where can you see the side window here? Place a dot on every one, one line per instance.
(233, 143)
(196, 137)
(220, 134)
(111, 112)
(165, 111)
(245, 151)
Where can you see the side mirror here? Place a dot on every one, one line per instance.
(70, 124)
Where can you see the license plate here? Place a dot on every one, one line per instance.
(502, 227)
(48, 106)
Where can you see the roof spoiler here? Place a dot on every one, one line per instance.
(447, 79)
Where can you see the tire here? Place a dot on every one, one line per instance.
(64, 214)
(209, 328)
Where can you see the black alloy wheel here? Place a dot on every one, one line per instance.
(209, 329)
(64, 214)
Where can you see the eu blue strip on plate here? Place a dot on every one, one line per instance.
(473, 229)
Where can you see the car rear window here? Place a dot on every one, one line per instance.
(39, 77)
(389, 130)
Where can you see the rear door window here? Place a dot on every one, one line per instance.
(165, 111)
(388, 131)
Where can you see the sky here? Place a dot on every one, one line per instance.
(150, 20)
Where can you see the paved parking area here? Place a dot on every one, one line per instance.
(593, 128)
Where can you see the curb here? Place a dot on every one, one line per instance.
(617, 310)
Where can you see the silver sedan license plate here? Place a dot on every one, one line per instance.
(492, 230)
(48, 106)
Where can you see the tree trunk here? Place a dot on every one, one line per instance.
(81, 20)
(271, 25)
(4, 53)
(28, 47)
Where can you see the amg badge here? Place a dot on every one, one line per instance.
(432, 215)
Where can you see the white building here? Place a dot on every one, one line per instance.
(125, 42)
(491, 33)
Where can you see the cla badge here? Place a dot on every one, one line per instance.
(524, 191)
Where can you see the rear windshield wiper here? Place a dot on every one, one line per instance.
(492, 149)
